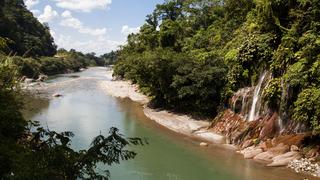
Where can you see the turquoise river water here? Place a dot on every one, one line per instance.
(87, 110)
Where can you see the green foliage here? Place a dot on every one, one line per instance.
(48, 154)
(108, 58)
(30, 153)
(193, 55)
(27, 36)
(272, 93)
(12, 123)
(307, 108)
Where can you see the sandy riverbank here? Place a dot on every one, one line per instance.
(179, 123)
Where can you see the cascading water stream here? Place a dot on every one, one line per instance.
(256, 97)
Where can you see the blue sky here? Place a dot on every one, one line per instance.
(92, 25)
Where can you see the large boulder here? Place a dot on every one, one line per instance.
(272, 152)
(284, 159)
(264, 157)
(250, 152)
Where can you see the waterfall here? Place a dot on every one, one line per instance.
(243, 108)
(280, 124)
(256, 96)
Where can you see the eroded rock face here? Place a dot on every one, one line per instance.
(270, 126)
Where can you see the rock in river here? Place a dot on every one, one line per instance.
(56, 95)
(203, 144)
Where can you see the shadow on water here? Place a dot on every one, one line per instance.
(87, 111)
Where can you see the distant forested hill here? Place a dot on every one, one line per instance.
(22, 33)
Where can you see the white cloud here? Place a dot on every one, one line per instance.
(69, 21)
(48, 14)
(35, 12)
(83, 5)
(99, 45)
(126, 30)
(31, 3)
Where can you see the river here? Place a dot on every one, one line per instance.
(87, 110)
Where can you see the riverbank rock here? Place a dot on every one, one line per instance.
(204, 144)
(265, 145)
(272, 152)
(294, 148)
(305, 166)
(284, 159)
(247, 143)
(29, 80)
(251, 152)
(42, 78)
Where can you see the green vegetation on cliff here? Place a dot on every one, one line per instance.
(192, 55)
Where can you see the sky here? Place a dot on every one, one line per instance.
(92, 25)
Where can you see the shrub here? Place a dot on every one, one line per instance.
(307, 108)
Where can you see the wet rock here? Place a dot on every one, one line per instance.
(247, 143)
(265, 145)
(279, 149)
(294, 148)
(271, 153)
(252, 153)
(269, 126)
(284, 159)
(312, 153)
(265, 157)
(29, 80)
(42, 78)
(203, 144)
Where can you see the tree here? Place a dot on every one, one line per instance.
(28, 36)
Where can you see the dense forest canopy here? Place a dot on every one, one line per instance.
(192, 55)
(22, 33)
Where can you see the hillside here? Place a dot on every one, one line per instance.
(193, 56)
